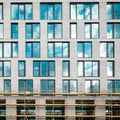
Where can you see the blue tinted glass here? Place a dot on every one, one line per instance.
(88, 49)
(50, 50)
(7, 69)
(14, 31)
(21, 66)
(80, 49)
(110, 86)
(109, 11)
(21, 86)
(15, 49)
(58, 30)
(7, 85)
(43, 11)
(28, 50)
(50, 31)
(36, 69)
(87, 11)
(36, 31)
(88, 68)
(29, 86)
(44, 68)
(51, 68)
(109, 31)
(28, 31)
(14, 11)
(28, 12)
(1, 12)
(65, 86)
(80, 11)
(21, 12)
(58, 49)
(117, 11)
(58, 11)
(116, 30)
(36, 50)
(44, 86)
(50, 11)
(51, 86)
(1, 69)
(65, 50)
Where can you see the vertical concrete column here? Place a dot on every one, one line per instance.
(100, 110)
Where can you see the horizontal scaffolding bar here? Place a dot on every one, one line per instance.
(113, 105)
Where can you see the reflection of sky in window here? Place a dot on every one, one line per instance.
(21, 12)
(65, 68)
(80, 11)
(36, 31)
(29, 86)
(7, 49)
(1, 12)
(109, 68)
(36, 50)
(36, 68)
(50, 30)
(117, 86)
(116, 30)
(50, 50)
(1, 47)
(1, 69)
(88, 49)
(87, 11)
(28, 50)
(95, 30)
(58, 49)
(80, 68)
(15, 49)
(87, 86)
(73, 86)
(109, 31)
(7, 69)
(1, 30)
(7, 85)
(109, 11)
(58, 30)
(44, 86)
(65, 50)
(65, 86)
(28, 31)
(94, 11)
(21, 68)
(110, 50)
(44, 68)
(28, 11)
(87, 30)
(50, 12)
(43, 11)
(95, 86)
(80, 49)
(109, 86)
(103, 48)
(116, 10)
(73, 30)
(51, 68)
(95, 69)
(73, 11)
(58, 11)
(14, 12)
(14, 31)
(88, 68)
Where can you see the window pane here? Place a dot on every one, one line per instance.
(87, 30)
(80, 68)
(1, 12)
(58, 11)
(36, 50)
(15, 49)
(65, 50)
(50, 50)
(51, 86)
(50, 12)
(110, 50)
(44, 86)
(36, 31)
(21, 86)
(87, 11)
(51, 69)
(14, 31)
(95, 69)
(88, 68)
(1, 31)
(14, 12)
(7, 49)
(80, 11)
(28, 50)
(109, 31)
(109, 11)
(7, 86)
(43, 11)
(65, 68)
(7, 69)
(95, 30)
(28, 10)
(29, 86)
(21, 12)
(73, 86)
(73, 28)
(80, 49)
(94, 11)
(87, 86)
(73, 11)
(1, 50)
(65, 86)
(116, 30)
(117, 86)
(116, 11)
(58, 49)
(103, 49)
(21, 66)
(110, 68)
(95, 86)
(110, 86)
(1, 69)
(44, 68)
(50, 31)
(88, 49)
(36, 69)
(58, 30)
(28, 31)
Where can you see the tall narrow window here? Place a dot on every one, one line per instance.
(110, 68)
(66, 68)
(73, 30)
(1, 30)
(7, 85)
(21, 11)
(92, 30)
(54, 30)
(51, 11)
(21, 68)
(47, 86)
(14, 30)
(32, 31)
(1, 11)
(84, 49)
(69, 86)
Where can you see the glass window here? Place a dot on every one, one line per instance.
(113, 11)
(107, 49)
(43, 68)
(58, 50)
(70, 86)
(47, 86)
(51, 11)
(84, 49)
(21, 11)
(32, 31)
(26, 86)
(14, 30)
(54, 30)
(92, 86)
(92, 30)
(1, 11)
(88, 68)
(82, 11)
(1, 30)
(21, 68)
(113, 86)
(73, 30)
(65, 68)
(32, 49)
(110, 68)
(7, 85)
(113, 30)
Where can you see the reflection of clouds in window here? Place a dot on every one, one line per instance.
(50, 50)
(73, 28)
(73, 11)
(95, 30)
(58, 49)
(28, 10)
(80, 68)
(50, 30)
(1, 30)
(7, 49)
(87, 86)
(116, 10)
(7, 69)
(1, 48)
(14, 11)
(58, 30)
(87, 30)
(80, 11)
(1, 11)
(94, 11)
(88, 68)
(65, 68)
(36, 31)
(116, 30)
(21, 12)
(15, 49)
(50, 12)
(43, 11)
(87, 11)
(110, 68)
(36, 50)
(88, 49)
(65, 50)
(109, 11)
(103, 48)
(58, 11)
(109, 31)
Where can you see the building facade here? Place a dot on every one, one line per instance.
(59, 60)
